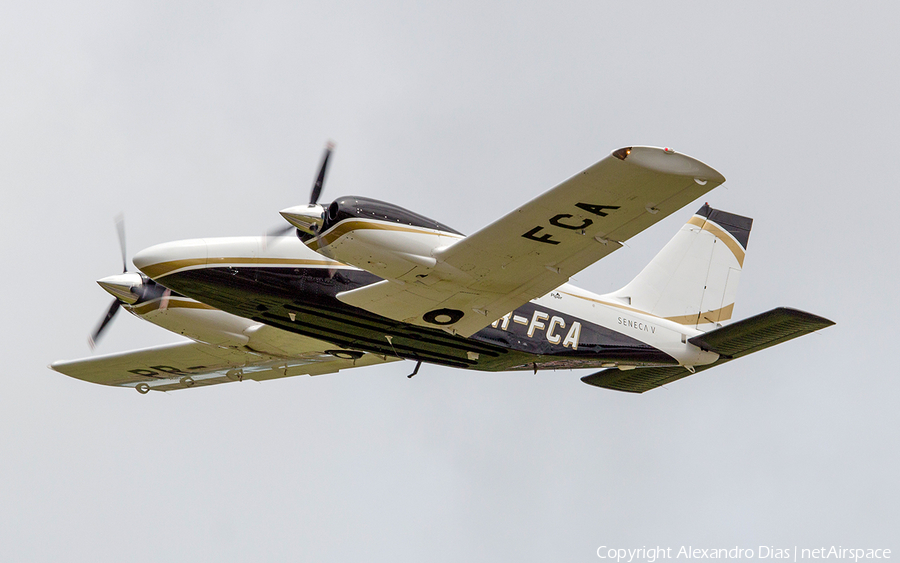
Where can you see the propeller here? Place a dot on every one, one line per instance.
(113, 309)
(121, 286)
(120, 229)
(308, 218)
(314, 200)
(320, 179)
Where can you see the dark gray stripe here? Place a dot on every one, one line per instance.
(737, 225)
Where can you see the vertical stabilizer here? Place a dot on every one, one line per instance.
(694, 278)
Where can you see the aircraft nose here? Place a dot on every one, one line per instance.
(167, 258)
(124, 287)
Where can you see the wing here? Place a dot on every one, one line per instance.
(537, 247)
(193, 364)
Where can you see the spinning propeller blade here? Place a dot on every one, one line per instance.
(320, 178)
(314, 196)
(280, 231)
(120, 228)
(113, 309)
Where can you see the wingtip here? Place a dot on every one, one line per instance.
(669, 161)
(809, 317)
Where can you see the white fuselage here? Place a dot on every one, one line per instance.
(375, 246)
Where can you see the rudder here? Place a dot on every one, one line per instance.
(694, 278)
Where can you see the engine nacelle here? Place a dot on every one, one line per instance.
(379, 237)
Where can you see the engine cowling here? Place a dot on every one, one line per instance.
(374, 235)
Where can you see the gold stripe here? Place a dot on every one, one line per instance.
(718, 315)
(274, 261)
(174, 303)
(729, 241)
(722, 234)
(348, 225)
(165, 268)
(714, 316)
(697, 221)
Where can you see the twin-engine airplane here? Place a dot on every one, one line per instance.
(363, 282)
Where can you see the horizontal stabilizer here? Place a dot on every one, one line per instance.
(759, 332)
(733, 341)
(638, 380)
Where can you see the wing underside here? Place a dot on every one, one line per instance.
(195, 364)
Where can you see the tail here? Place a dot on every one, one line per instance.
(730, 342)
(693, 280)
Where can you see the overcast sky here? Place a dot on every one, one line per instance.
(204, 119)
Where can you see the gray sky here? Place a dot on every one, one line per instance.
(199, 119)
